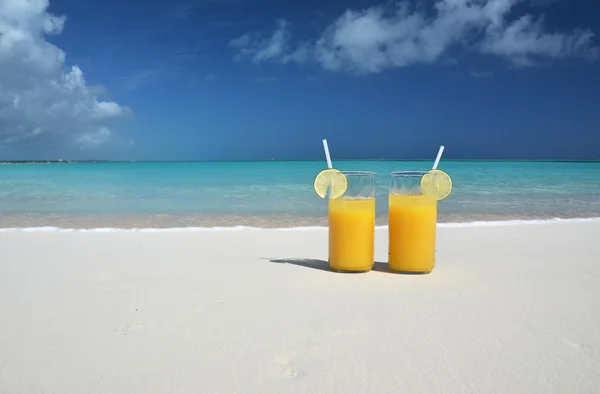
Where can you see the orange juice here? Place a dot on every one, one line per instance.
(412, 225)
(351, 234)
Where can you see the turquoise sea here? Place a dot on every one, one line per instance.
(275, 193)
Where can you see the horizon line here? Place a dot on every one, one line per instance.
(67, 161)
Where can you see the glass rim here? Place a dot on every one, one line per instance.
(358, 173)
(408, 173)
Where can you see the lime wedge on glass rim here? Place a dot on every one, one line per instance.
(331, 179)
(437, 183)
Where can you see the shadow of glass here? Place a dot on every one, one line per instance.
(323, 265)
(308, 263)
(380, 266)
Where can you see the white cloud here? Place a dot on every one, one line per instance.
(525, 38)
(277, 47)
(41, 98)
(251, 45)
(139, 78)
(94, 138)
(391, 36)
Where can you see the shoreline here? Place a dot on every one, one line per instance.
(440, 225)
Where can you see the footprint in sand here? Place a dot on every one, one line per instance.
(287, 361)
(297, 362)
(131, 327)
(584, 348)
(286, 369)
(291, 372)
(288, 372)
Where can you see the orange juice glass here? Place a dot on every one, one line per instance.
(412, 224)
(352, 225)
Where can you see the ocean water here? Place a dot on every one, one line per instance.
(275, 193)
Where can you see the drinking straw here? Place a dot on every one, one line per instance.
(437, 159)
(327, 154)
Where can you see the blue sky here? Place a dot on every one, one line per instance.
(257, 79)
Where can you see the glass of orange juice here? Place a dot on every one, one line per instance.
(352, 224)
(412, 224)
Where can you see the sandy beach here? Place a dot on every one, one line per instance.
(508, 309)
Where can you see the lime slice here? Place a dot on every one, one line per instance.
(333, 179)
(438, 183)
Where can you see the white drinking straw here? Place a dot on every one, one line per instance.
(437, 159)
(327, 154)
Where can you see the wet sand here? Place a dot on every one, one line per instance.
(194, 219)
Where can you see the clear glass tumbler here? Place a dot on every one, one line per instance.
(352, 225)
(412, 224)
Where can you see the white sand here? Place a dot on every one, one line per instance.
(512, 309)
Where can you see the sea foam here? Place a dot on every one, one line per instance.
(303, 228)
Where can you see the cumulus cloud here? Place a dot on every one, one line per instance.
(40, 98)
(395, 35)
